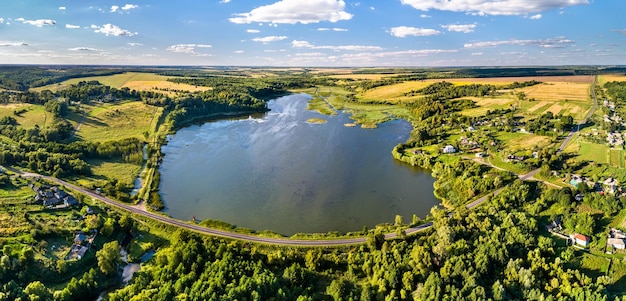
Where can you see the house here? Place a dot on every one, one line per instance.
(610, 185)
(51, 202)
(449, 149)
(617, 243)
(80, 238)
(70, 201)
(616, 239)
(481, 155)
(580, 239)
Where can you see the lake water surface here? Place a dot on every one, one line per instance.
(277, 172)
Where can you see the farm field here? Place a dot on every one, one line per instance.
(522, 142)
(394, 93)
(602, 79)
(133, 80)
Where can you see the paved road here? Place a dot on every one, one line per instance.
(217, 232)
(584, 121)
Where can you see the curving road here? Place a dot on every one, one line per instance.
(217, 232)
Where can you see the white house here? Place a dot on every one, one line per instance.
(580, 239)
(449, 149)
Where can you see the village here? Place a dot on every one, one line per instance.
(54, 198)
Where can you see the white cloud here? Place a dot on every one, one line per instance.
(62, 8)
(477, 53)
(83, 49)
(114, 8)
(12, 44)
(129, 6)
(492, 7)
(112, 30)
(405, 31)
(424, 16)
(1, 20)
(224, 1)
(253, 31)
(238, 51)
(464, 28)
(70, 26)
(38, 23)
(296, 11)
(333, 29)
(135, 44)
(535, 17)
(558, 42)
(305, 44)
(269, 39)
(188, 48)
(622, 31)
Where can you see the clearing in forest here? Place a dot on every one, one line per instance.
(114, 122)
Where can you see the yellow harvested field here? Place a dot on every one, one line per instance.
(588, 79)
(489, 102)
(161, 85)
(527, 141)
(393, 92)
(133, 80)
(552, 91)
(611, 78)
(362, 76)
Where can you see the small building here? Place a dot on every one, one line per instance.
(617, 243)
(481, 155)
(80, 238)
(70, 201)
(51, 202)
(449, 149)
(580, 239)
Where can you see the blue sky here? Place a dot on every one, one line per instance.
(314, 32)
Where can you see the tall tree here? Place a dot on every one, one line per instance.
(109, 257)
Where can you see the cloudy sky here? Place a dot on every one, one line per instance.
(314, 32)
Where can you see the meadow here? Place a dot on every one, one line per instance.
(139, 81)
(106, 122)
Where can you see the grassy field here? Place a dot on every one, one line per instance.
(319, 105)
(133, 80)
(122, 171)
(589, 151)
(593, 266)
(117, 121)
(32, 115)
(522, 142)
(616, 158)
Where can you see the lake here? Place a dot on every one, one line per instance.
(277, 172)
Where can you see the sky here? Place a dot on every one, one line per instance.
(314, 33)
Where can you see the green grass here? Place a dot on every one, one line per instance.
(122, 171)
(616, 158)
(118, 121)
(319, 105)
(593, 152)
(592, 265)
